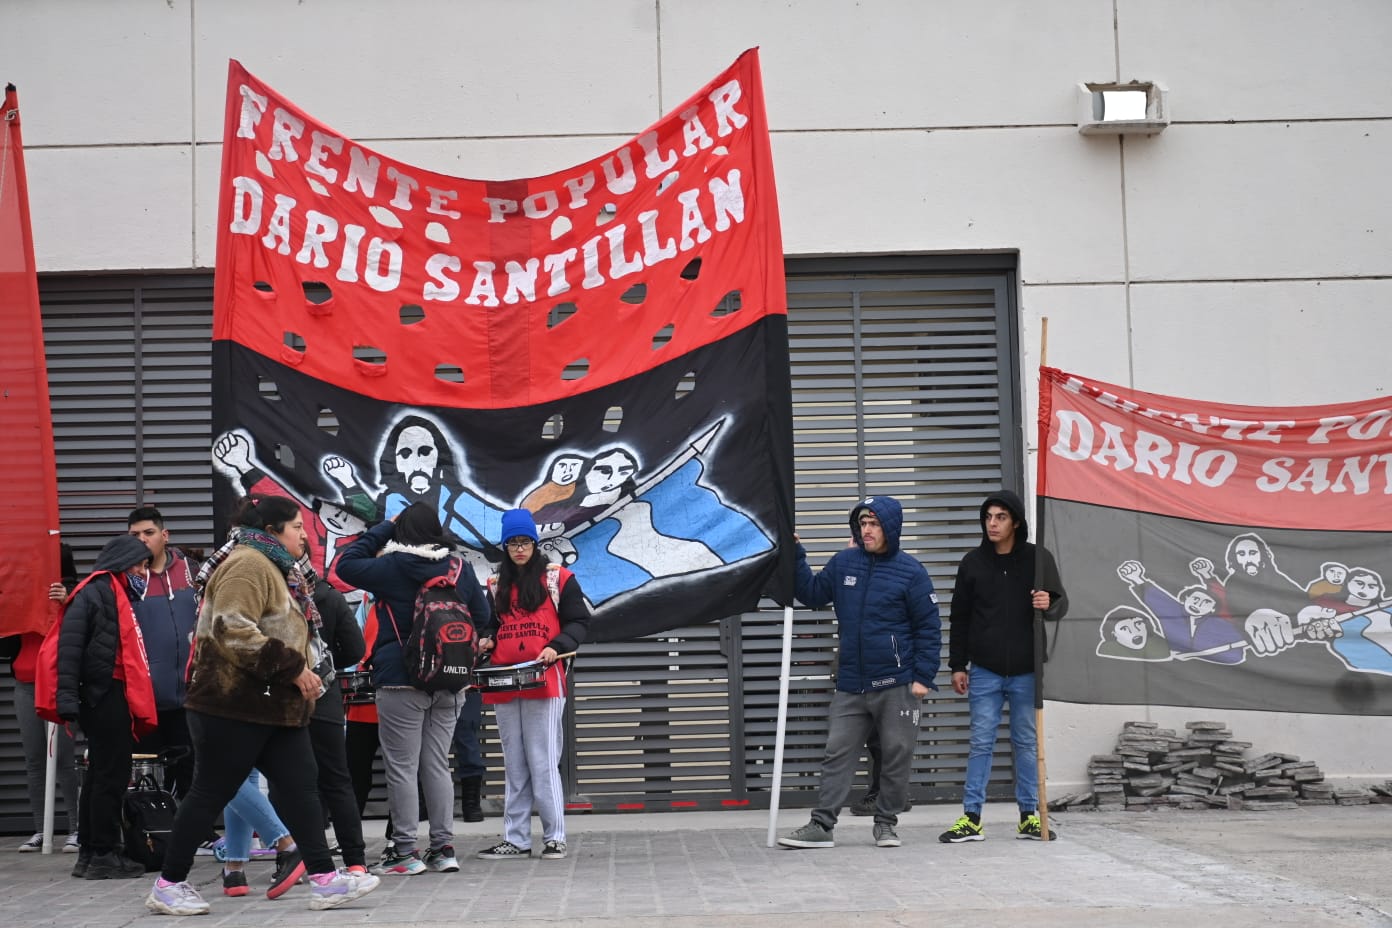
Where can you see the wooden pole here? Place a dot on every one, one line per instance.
(1040, 639)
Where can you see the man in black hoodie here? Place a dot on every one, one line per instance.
(991, 653)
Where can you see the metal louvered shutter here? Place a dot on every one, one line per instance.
(129, 373)
(903, 384)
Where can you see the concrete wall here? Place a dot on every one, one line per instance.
(1244, 255)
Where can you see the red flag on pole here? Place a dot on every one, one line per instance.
(29, 506)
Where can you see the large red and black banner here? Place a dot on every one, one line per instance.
(605, 346)
(29, 510)
(1232, 557)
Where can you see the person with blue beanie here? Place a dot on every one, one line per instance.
(541, 614)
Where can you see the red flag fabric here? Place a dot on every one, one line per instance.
(1231, 557)
(29, 508)
(604, 346)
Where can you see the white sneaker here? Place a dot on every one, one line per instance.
(331, 890)
(71, 846)
(33, 844)
(175, 899)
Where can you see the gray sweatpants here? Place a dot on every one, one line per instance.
(532, 737)
(33, 734)
(895, 714)
(415, 728)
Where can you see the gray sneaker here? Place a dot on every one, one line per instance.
(885, 836)
(175, 899)
(813, 834)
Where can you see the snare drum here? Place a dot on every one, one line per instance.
(357, 687)
(511, 678)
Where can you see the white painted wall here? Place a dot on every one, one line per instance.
(1244, 255)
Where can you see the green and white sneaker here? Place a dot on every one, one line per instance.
(964, 829)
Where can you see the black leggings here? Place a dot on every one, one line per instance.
(225, 751)
(335, 789)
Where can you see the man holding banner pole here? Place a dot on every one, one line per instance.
(994, 652)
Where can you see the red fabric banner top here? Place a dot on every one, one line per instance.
(332, 257)
(29, 508)
(1313, 467)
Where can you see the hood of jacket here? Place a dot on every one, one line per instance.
(1011, 502)
(891, 516)
(121, 554)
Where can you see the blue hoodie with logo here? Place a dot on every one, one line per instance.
(886, 611)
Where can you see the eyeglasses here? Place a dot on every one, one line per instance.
(520, 545)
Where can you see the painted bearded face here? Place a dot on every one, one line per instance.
(1249, 557)
(417, 458)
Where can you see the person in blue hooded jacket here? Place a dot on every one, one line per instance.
(890, 650)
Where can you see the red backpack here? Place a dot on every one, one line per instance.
(440, 650)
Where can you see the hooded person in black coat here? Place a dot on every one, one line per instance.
(1000, 584)
(92, 690)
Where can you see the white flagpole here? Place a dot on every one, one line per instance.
(50, 783)
(786, 668)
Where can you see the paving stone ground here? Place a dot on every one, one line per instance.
(1308, 867)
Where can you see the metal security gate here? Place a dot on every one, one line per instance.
(903, 383)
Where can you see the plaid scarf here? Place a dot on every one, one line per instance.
(300, 582)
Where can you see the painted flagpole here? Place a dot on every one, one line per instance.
(784, 670)
(1039, 637)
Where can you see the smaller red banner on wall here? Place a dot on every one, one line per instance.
(1315, 467)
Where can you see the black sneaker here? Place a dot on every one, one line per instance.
(113, 866)
(84, 860)
(865, 805)
(234, 883)
(964, 829)
(505, 850)
(1031, 829)
(553, 850)
(289, 869)
(813, 834)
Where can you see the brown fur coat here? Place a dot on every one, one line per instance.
(250, 645)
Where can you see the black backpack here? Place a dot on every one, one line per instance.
(147, 819)
(439, 653)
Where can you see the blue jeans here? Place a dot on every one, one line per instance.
(986, 694)
(249, 811)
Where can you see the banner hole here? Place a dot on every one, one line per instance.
(327, 420)
(294, 341)
(285, 455)
(635, 294)
(560, 313)
(576, 369)
(551, 429)
(613, 418)
(686, 385)
(262, 287)
(267, 388)
(411, 314)
(729, 303)
(663, 336)
(369, 354)
(692, 269)
(450, 373)
(317, 292)
(606, 212)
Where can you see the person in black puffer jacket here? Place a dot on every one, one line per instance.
(1000, 583)
(93, 677)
